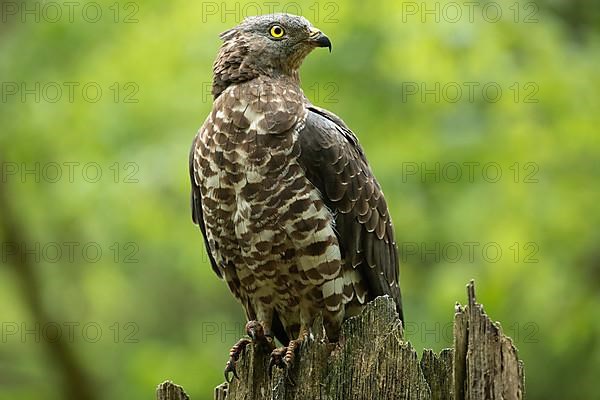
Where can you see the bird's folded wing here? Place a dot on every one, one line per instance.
(335, 163)
(196, 198)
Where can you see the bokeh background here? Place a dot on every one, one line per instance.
(480, 121)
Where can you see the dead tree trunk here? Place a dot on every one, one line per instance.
(372, 361)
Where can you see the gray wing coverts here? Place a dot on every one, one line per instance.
(335, 163)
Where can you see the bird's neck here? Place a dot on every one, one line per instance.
(231, 68)
(233, 76)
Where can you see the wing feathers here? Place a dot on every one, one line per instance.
(196, 199)
(335, 163)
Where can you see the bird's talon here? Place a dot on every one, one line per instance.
(234, 355)
(277, 359)
(230, 369)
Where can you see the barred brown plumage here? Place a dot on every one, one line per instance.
(292, 217)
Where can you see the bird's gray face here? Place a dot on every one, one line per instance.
(275, 43)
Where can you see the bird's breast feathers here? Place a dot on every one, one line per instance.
(264, 201)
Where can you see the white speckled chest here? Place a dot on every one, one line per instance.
(271, 234)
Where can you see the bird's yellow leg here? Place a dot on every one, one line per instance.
(257, 336)
(290, 353)
(283, 357)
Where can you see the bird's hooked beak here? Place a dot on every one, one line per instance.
(319, 39)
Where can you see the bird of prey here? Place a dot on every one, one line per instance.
(292, 217)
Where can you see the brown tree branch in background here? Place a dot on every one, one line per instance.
(76, 385)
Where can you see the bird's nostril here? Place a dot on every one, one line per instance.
(313, 32)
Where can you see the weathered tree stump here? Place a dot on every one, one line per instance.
(373, 361)
(169, 391)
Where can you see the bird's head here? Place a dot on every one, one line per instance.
(272, 45)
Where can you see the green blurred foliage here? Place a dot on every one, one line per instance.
(166, 315)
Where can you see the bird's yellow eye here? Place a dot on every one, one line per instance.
(276, 31)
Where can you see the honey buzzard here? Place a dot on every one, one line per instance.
(292, 217)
